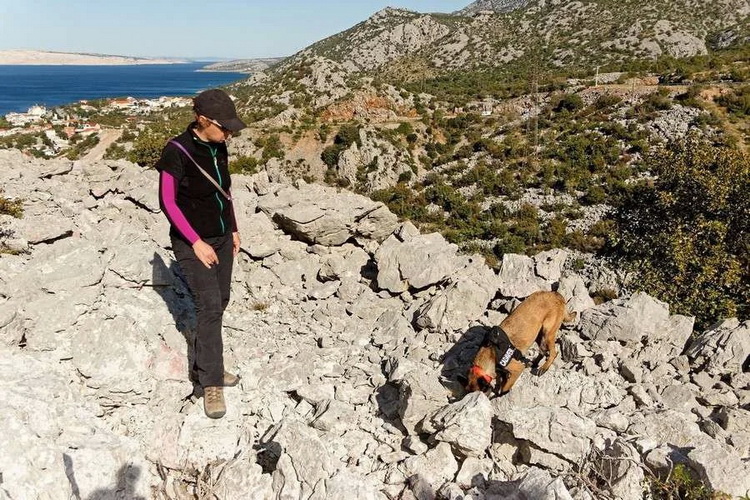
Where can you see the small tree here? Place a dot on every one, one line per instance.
(687, 235)
(569, 102)
(244, 165)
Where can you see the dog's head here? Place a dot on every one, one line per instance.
(477, 380)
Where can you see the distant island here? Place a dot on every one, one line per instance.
(40, 57)
(244, 65)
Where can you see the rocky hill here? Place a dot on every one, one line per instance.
(492, 5)
(349, 330)
(396, 62)
(244, 65)
(570, 34)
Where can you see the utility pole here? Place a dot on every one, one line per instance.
(536, 113)
(596, 78)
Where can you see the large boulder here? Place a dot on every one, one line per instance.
(462, 300)
(518, 277)
(417, 262)
(465, 424)
(436, 467)
(305, 462)
(317, 215)
(720, 468)
(420, 396)
(723, 349)
(625, 320)
(553, 430)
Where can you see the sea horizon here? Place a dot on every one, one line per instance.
(23, 86)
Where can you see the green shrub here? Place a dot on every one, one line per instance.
(243, 165)
(568, 102)
(347, 135)
(82, 146)
(405, 128)
(404, 202)
(738, 102)
(658, 101)
(150, 142)
(607, 101)
(127, 136)
(115, 152)
(272, 148)
(682, 485)
(10, 207)
(330, 156)
(595, 194)
(687, 235)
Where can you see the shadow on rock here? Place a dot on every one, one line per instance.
(127, 479)
(170, 284)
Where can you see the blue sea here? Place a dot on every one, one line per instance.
(24, 86)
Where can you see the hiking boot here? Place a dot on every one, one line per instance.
(230, 380)
(213, 402)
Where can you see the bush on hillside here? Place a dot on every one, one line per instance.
(687, 235)
(682, 484)
(657, 101)
(150, 142)
(272, 148)
(568, 102)
(247, 165)
(14, 208)
(82, 147)
(738, 102)
(345, 137)
(607, 101)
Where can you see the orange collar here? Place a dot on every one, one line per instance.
(476, 370)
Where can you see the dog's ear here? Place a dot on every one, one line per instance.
(570, 317)
(462, 380)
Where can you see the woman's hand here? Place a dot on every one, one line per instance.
(205, 253)
(235, 244)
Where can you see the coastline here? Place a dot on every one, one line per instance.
(44, 58)
(23, 86)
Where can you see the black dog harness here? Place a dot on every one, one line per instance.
(504, 348)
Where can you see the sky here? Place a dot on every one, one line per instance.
(233, 29)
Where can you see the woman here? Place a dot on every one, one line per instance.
(194, 187)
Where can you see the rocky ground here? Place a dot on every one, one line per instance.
(348, 330)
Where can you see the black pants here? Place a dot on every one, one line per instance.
(210, 290)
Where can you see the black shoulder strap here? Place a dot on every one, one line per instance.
(216, 184)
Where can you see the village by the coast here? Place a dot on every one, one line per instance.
(62, 126)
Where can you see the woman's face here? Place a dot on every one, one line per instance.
(212, 131)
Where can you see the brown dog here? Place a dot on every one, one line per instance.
(536, 319)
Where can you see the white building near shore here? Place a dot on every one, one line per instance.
(34, 114)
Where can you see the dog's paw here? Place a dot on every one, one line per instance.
(538, 371)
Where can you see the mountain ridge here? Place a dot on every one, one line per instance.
(492, 5)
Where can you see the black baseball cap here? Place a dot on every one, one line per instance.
(217, 105)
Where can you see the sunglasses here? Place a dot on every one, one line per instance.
(221, 127)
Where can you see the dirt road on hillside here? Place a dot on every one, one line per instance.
(106, 138)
